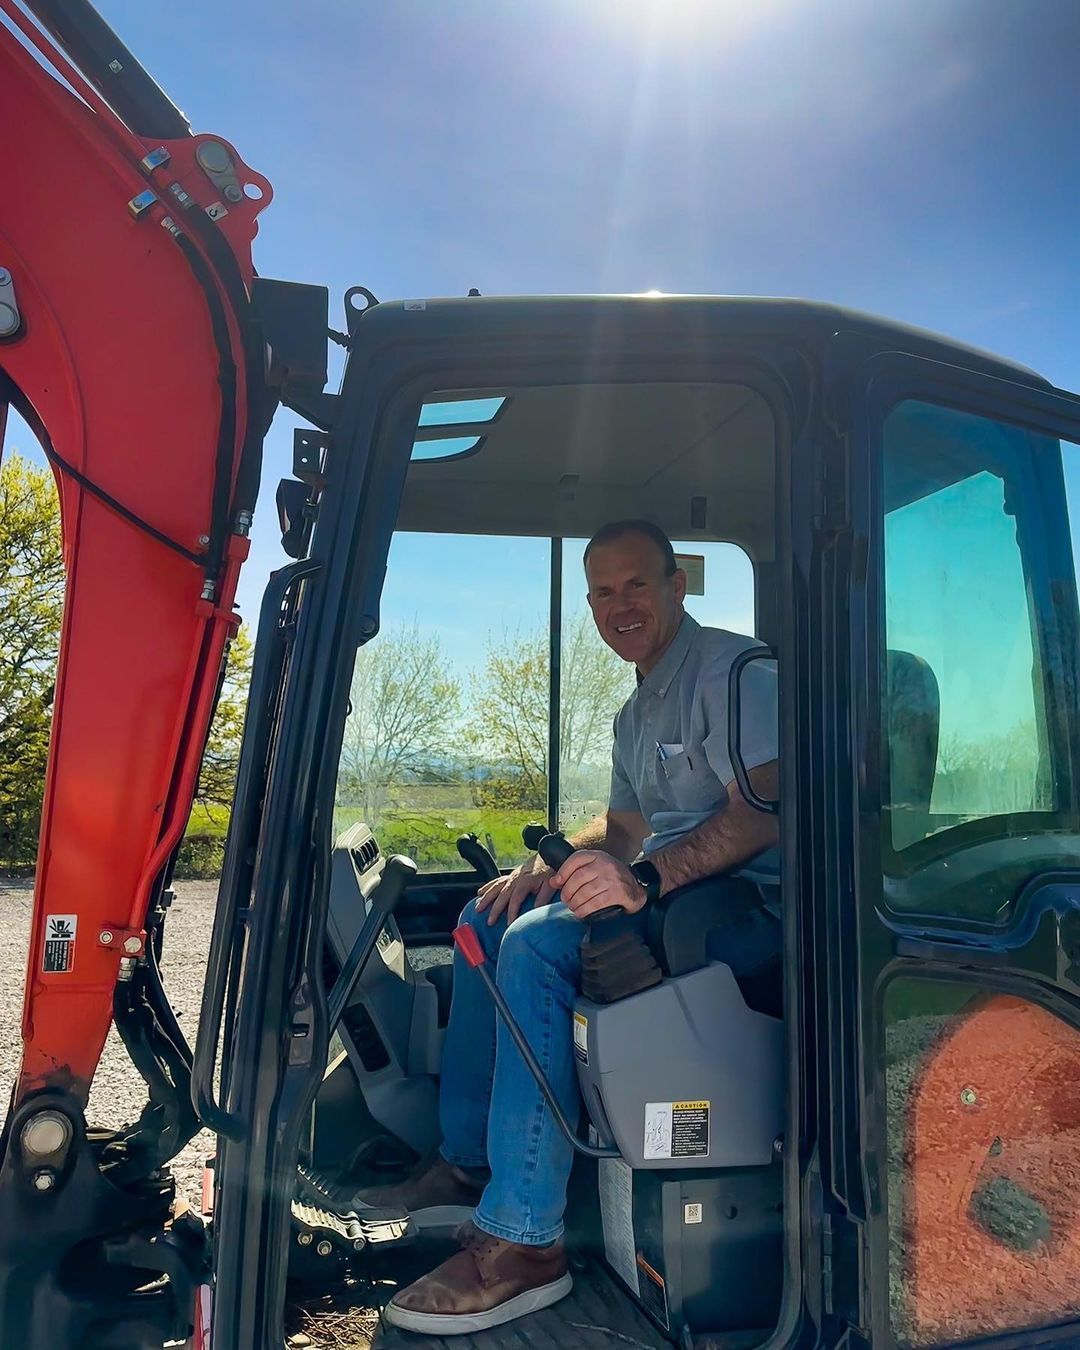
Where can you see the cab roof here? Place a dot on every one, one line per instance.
(693, 451)
(811, 321)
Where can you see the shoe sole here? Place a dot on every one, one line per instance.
(462, 1324)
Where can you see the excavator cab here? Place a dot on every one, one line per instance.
(876, 1141)
(681, 1068)
(901, 506)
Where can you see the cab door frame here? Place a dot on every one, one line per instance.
(398, 354)
(866, 943)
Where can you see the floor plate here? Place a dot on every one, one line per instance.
(597, 1315)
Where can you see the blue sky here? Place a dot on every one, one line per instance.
(918, 160)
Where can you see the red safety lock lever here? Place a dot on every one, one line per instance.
(468, 944)
(467, 941)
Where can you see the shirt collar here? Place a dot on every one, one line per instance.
(659, 679)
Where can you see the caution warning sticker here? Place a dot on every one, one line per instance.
(581, 1037)
(676, 1130)
(59, 955)
(689, 1129)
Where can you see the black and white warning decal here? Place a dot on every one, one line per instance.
(676, 1130)
(59, 954)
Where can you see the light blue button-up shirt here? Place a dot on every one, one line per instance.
(670, 759)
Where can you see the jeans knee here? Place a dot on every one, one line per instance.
(490, 935)
(518, 963)
(515, 940)
(540, 938)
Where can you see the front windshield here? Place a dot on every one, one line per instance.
(456, 722)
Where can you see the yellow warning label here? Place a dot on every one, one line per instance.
(690, 1106)
(581, 1037)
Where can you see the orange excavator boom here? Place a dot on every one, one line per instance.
(129, 342)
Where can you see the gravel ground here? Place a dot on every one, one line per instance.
(338, 1318)
(118, 1093)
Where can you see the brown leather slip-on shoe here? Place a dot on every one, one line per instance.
(487, 1283)
(442, 1196)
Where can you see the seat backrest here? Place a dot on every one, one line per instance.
(911, 731)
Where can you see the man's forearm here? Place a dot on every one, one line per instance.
(607, 836)
(734, 835)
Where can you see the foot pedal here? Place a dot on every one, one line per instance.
(326, 1231)
(325, 1220)
(385, 1225)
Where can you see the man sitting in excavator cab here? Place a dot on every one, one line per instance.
(674, 806)
(896, 1163)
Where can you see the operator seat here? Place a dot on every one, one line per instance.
(684, 1076)
(685, 931)
(913, 726)
(911, 729)
(683, 927)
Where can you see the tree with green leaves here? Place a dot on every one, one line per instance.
(510, 729)
(31, 609)
(511, 707)
(405, 703)
(217, 774)
(595, 685)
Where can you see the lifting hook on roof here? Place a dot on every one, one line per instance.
(354, 312)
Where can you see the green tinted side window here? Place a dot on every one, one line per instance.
(963, 715)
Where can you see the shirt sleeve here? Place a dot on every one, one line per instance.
(622, 796)
(758, 733)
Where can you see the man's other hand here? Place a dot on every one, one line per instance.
(508, 894)
(590, 881)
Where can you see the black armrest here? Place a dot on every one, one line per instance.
(678, 925)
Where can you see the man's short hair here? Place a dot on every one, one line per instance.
(619, 529)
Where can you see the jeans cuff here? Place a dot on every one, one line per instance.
(512, 1235)
(459, 1160)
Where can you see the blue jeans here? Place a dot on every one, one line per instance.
(490, 1109)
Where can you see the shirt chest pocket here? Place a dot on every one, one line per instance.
(686, 781)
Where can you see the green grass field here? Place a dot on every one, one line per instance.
(424, 823)
(424, 820)
(429, 838)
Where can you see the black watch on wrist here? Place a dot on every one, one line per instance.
(648, 878)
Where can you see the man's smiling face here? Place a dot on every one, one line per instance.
(636, 607)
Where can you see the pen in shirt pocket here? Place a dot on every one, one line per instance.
(662, 755)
